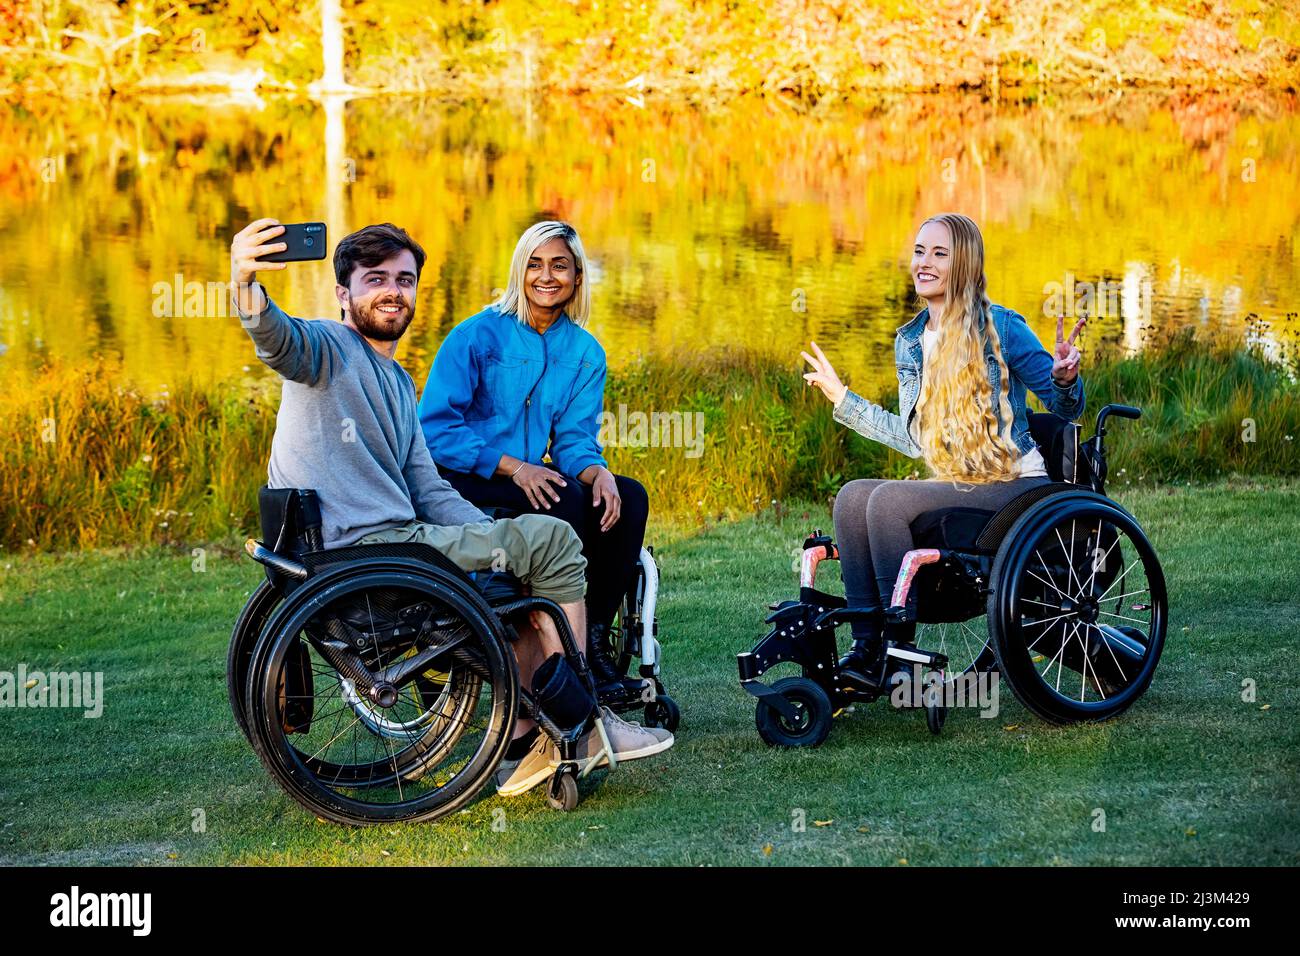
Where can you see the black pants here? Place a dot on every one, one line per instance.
(611, 555)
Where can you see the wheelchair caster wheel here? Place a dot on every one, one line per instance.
(935, 715)
(663, 712)
(812, 720)
(563, 791)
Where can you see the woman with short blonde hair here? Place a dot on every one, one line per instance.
(511, 412)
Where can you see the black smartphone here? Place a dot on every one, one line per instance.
(304, 241)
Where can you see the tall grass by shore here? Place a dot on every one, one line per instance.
(86, 460)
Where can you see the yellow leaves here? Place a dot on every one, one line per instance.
(767, 849)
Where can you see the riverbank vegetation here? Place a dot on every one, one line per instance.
(86, 460)
(811, 51)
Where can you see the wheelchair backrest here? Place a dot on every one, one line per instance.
(291, 523)
(1058, 440)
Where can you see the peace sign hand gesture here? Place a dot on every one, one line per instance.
(824, 376)
(1065, 361)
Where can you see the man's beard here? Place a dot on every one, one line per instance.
(375, 325)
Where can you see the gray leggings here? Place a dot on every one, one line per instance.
(869, 563)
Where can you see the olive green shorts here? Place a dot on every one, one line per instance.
(542, 551)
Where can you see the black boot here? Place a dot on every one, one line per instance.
(860, 667)
(600, 658)
(861, 664)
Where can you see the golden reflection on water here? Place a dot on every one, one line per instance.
(747, 224)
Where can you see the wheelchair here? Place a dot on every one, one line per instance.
(1070, 590)
(376, 682)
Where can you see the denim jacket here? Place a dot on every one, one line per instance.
(1028, 362)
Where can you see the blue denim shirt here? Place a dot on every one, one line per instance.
(1028, 362)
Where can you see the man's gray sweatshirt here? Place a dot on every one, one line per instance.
(349, 427)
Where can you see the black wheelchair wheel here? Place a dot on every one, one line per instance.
(243, 639)
(812, 722)
(443, 694)
(1078, 609)
(663, 712)
(420, 753)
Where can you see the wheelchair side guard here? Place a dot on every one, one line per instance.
(913, 561)
(903, 600)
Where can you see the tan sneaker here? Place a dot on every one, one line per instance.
(630, 741)
(519, 776)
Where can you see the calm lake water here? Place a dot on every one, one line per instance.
(749, 224)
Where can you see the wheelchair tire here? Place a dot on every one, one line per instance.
(1051, 608)
(243, 638)
(935, 715)
(663, 712)
(397, 776)
(562, 792)
(813, 723)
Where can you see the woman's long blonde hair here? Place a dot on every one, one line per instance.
(958, 432)
(514, 302)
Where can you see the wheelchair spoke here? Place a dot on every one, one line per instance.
(1047, 620)
(1060, 652)
(355, 720)
(1048, 583)
(1111, 650)
(1054, 607)
(1120, 578)
(1104, 558)
(1072, 582)
(1083, 682)
(1120, 597)
(1124, 618)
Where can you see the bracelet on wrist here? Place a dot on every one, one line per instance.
(519, 469)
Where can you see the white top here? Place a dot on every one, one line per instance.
(1031, 463)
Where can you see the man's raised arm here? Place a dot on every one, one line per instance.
(297, 349)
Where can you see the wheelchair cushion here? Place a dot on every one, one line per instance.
(497, 587)
(977, 530)
(954, 529)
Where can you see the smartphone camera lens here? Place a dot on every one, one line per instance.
(309, 241)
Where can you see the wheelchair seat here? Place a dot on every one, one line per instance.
(979, 530)
(290, 520)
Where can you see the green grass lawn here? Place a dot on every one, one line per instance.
(1191, 775)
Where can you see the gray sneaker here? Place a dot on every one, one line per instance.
(630, 741)
(519, 776)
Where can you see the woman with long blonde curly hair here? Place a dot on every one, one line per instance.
(964, 365)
